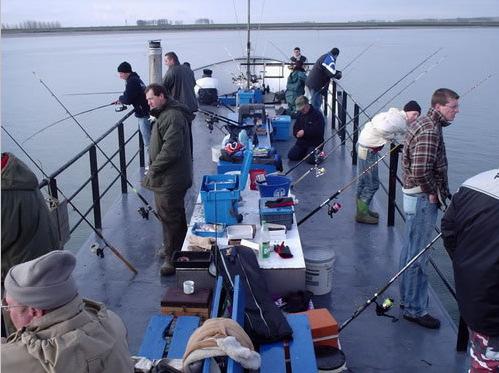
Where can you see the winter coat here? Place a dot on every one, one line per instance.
(135, 95)
(81, 336)
(323, 70)
(313, 125)
(384, 127)
(27, 232)
(470, 230)
(170, 150)
(179, 82)
(295, 87)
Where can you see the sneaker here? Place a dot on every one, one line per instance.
(426, 321)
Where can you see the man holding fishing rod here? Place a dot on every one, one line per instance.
(425, 189)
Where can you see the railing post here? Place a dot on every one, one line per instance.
(325, 94)
(392, 184)
(333, 107)
(344, 99)
(121, 147)
(462, 336)
(355, 133)
(141, 151)
(94, 172)
(53, 188)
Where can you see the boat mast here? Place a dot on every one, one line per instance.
(248, 51)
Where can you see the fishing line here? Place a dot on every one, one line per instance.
(91, 93)
(357, 57)
(96, 231)
(63, 119)
(144, 211)
(478, 84)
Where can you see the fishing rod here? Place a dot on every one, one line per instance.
(91, 93)
(220, 117)
(383, 289)
(368, 106)
(65, 118)
(143, 211)
(357, 57)
(478, 84)
(343, 188)
(96, 231)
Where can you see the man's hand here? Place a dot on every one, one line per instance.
(433, 198)
(300, 133)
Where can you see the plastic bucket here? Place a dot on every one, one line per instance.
(319, 270)
(329, 359)
(253, 174)
(216, 153)
(274, 186)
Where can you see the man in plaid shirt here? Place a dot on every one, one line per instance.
(425, 189)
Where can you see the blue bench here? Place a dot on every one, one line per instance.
(300, 349)
(155, 340)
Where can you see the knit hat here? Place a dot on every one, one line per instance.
(45, 282)
(412, 106)
(300, 102)
(124, 67)
(207, 72)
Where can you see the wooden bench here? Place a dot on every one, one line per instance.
(300, 350)
(155, 340)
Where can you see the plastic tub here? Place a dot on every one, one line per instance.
(319, 270)
(274, 186)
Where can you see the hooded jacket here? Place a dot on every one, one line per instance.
(470, 230)
(79, 337)
(170, 150)
(134, 95)
(27, 232)
(384, 127)
(179, 82)
(295, 86)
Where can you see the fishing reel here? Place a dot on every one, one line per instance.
(319, 171)
(210, 122)
(143, 212)
(97, 250)
(333, 208)
(383, 308)
(119, 108)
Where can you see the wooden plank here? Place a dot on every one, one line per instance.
(215, 305)
(238, 306)
(273, 358)
(301, 348)
(184, 327)
(154, 342)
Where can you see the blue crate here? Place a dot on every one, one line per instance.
(280, 125)
(277, 215)
(251, 96)
(227, 100)
(274, 186)
(224, 166)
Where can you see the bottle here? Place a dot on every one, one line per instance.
(264, 241)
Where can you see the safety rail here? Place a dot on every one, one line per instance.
(336, 101)
(50, 182)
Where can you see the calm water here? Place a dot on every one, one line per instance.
(87, 63)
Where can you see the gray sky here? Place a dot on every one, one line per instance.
(117, 12)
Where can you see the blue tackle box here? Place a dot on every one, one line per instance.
(220, 194)
(277, 215)
(249, 96)
(227, 100)
(280, 126)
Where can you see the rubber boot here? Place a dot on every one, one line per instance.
(362, 215)
(167, 268)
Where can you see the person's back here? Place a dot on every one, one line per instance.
(323, 70)
(207, 88)
(179, 83)
(295, 85)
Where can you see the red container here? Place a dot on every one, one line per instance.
(252, 175)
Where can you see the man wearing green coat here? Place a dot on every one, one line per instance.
(295, 86)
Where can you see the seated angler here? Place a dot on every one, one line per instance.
(207, 88)
(57, 330)
(308, 130)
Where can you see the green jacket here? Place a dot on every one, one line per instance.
(26, 229)
(170, 150)
(295, 86)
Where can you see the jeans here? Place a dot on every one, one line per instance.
(421, 216)
(316, 98)
(145, 130)
(368, 183)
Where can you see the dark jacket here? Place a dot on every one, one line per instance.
(134, 95)
(170, 150)
(27, 232)
(295, 87)
(323, 70)
(313, 125)
(470, 230)
(179, 82)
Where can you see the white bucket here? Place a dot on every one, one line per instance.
(215, 153)
(319, 270)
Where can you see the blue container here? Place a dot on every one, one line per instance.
(220, 182)
(274, 186)
(224, 166)
(280, 125)
(227, 100)
(277, 215)
(251, 96)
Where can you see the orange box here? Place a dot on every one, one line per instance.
(323, 326)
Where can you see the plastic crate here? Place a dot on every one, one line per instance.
(224, 166)
(251, 96)
(277, 215)
(274, 186)
(227, 100)
(280, 125)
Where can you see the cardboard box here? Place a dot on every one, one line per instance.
(323, 326)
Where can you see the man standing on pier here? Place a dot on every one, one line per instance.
(425, 190)
(170, 172)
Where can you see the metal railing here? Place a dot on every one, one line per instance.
(336, 102)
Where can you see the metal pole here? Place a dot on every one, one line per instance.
(343, 117)
(53, 188)
(333, 107)
(392, 184)
(155, 62)
(94, 172)
(248, 49)
(325, 100)
(121, 147)
(355, 133)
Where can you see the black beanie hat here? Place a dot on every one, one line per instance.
(124, 67)
(412, 106)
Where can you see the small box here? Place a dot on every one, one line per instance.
(277, 215)
(323, 326)
(179, 304)
(280, 125)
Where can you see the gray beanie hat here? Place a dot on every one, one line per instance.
(45, 282)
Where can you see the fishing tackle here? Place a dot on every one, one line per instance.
(119, 108)
(333, 209)
(383, 308)
(96, 231)
(383, 289)
(147, 207)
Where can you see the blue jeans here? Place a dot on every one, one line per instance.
(145, 130)
(421, 216)
(316, 98)
(368, 184)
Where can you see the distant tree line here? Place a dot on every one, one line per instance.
(164, 22)
(32, 25)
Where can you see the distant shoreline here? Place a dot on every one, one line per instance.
(264, 26)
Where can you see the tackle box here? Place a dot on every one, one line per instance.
(280, 126)
(227, 100)
(323, 326)
(221, 205)
(179, 304)
(277, 215)
(249, 96)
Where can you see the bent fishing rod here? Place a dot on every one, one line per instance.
(144, 211)
(383, 289)
(96, 231)
(63, 119)
(368, 106)
(346, 186)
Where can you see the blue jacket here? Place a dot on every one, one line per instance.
(134, 95)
